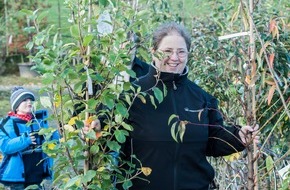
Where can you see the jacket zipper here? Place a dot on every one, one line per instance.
(174, 86)
(176, 145)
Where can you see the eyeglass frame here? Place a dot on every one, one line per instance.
(170, 52)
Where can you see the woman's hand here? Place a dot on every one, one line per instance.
(245, 130)
(95, 125)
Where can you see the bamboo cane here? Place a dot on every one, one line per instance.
(87, 164)
(251, 111)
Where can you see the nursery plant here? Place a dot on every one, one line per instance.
(248, 73)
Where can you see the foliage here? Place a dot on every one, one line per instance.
(14, 37)
(220, 66)
(93, 61)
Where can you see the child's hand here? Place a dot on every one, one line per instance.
(32, 138)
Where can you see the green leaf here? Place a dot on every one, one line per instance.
(143, 13)
(91, 135)
(269, 163)
(172, 130)
(104, 2)
(158, 94)
(45, 102)
(182, 127)
(128, 99)
(126, 86)
(89, 176)
(152, 101)
(29, 45)
(26, 11)
(120, 136)
(142, 98)
(118, 118)
(114, 146)
(164, 90)
(127, 126)
(47, 79)
(79, 124)
(131, 73)
(108, 102)
(88, 39)
(127, 184)
(92, 103)
(74, 31)
(42, 16)
(94, 149)
(171, 118)
(121, 109)
(72, 181)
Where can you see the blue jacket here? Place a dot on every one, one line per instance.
(15, 146)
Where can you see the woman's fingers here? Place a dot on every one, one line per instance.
(96, 124)
(245, 130)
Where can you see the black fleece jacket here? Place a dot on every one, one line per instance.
(178, 165)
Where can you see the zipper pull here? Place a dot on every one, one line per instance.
(174, 86)
(193, 111)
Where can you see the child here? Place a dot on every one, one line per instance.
(23, 162)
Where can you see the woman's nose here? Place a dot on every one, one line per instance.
(174, 56)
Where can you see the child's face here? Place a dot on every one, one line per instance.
(25, 107)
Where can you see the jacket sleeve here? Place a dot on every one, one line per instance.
(15, 144)
(222, 140)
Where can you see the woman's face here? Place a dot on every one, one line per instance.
(25, 107)
(171, 55)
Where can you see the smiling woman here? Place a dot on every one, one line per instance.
(176, 161)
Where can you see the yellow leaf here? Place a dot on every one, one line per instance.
(146, 170)
(272, 26)
(264, 48)
(72, 120)
(89, 120)
(233, 156)
(65, 179)
(271, 93)
(248, 80)
(69, 128)
(100, 169)
(271, 59)
(57, 100)
(51, 146)
(270, 81)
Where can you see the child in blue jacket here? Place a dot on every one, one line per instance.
(24, 162)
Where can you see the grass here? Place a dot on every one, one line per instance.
(12, 80)
(5, 104)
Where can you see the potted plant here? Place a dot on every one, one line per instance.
(20, 29)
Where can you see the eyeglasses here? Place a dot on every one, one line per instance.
(181, 53)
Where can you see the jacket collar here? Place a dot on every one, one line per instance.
(168, 78)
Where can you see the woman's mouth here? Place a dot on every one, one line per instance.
(173, 64)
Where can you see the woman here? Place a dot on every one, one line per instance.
(178, 165)
(23, 162)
